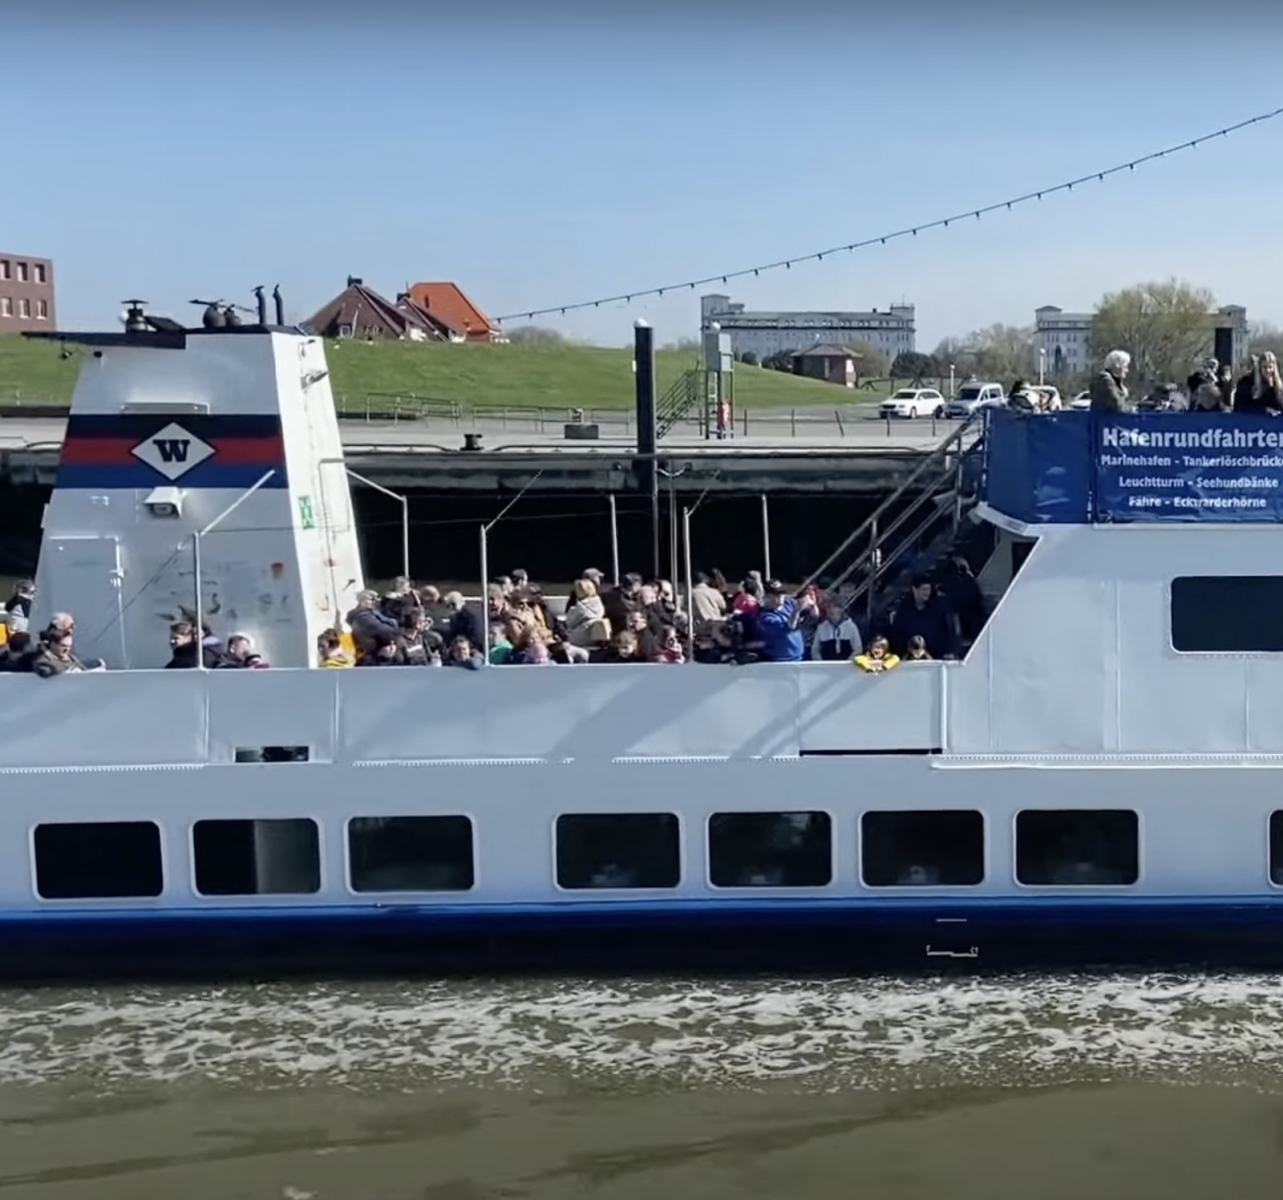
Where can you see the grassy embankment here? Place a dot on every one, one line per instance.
(548, 376)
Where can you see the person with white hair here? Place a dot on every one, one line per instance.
(1108, 393)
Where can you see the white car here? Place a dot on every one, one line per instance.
(972, 397)
(1080, 401)
(913, 402)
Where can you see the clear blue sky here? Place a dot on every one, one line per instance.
(542, 155)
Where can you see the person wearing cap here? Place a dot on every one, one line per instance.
(777, 624)
(370, 627)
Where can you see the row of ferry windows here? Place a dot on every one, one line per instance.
(104, 860)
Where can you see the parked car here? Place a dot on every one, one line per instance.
(1081, 401)
(913, 402)
(973, 396)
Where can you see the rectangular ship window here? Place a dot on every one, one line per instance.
(1227, 614)
(104, 860)
(618, 850)
(781, 849)
(922, 849)
(1276, 848)
(257, 858)
(410, 854)
(272, 754)
(1093, 846)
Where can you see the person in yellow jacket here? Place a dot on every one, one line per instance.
(331, 651)
(877, 658)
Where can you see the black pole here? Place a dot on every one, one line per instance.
(261, 303)
(280, 304)
(647, 476)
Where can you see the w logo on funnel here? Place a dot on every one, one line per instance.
(173, 451)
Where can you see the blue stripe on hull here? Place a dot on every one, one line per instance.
(833, 936)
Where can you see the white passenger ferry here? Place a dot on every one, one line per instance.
(1098, 781)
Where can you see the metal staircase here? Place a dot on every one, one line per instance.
(916, 526)
(685, 394)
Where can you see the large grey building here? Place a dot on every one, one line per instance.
(766, 333)
(1065, 337)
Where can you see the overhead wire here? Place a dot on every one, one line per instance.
(882, 239)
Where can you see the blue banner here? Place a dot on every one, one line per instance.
(1188, 467)
(1038, 467)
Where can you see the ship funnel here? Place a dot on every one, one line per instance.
(135, 318)
(260, 302)
(280, 304)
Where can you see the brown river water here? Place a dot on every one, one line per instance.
(1030, 1087)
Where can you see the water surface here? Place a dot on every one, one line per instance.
(1165, 1086)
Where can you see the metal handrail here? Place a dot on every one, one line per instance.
(951, 444)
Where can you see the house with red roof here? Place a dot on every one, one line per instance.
(448, 303)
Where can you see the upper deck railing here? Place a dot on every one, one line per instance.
(1082, 468)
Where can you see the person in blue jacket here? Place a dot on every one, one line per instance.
(777, 624)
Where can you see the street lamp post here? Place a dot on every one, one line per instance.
(1042, 365)
(951, 388)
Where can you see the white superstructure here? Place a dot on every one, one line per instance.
(168, 430)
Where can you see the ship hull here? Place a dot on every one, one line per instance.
(735, 938)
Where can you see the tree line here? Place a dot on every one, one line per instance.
(1166, 327)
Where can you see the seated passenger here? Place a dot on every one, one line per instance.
(837, 637)
(329, 650)
(240, 653)
(670, 647)
(387, 653)
(55, 657)
(714, 646)
(369, 625)
(187, 651)
(500, 646)
(922, 613)
(584, 610)
(422, 646)
(461, 654)
(18, 654)
(878, 658)
(708, 605)
(1205, 387)
(622, 648)
(620, 601)
(645, 628)
(917, 650)
(464, 623)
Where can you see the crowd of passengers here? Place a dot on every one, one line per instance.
(1210, 388)
(635, 621)
(755, 620)
(51, 651)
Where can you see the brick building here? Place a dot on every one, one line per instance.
(26, 293)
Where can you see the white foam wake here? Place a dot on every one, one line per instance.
(825, 1034)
